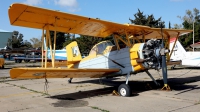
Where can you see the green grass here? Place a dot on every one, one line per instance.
(97, 108)
(22, 87)
(197, 103)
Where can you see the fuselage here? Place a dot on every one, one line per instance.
(59, 54)
(188, 58)
(105, 55)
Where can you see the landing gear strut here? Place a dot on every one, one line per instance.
(124, 89)
(152, 78)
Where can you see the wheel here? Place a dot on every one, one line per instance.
(70, 80)
(124, 90)
(26, 61)
(172, 68)
(20, 61)
(17, 61)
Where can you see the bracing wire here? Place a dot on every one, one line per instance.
(46, 86)
(181, 74)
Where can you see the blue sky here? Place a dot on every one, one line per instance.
(111, 10)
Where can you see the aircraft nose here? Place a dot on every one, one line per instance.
(135, 57)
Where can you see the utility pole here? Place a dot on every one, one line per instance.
(193, 35)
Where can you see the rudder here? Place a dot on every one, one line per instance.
(73, 53)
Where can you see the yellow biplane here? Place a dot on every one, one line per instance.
(105, 58)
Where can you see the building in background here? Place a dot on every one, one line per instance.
(4, 35)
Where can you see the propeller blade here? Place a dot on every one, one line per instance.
(164, 69)
(164, 65)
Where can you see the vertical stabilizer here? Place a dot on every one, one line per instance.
(178, 53)
(73, 53)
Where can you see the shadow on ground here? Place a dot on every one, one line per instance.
(177, 84)
(77, 99)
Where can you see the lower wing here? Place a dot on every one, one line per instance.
(34, 73)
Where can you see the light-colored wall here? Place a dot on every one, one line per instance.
(4, 38)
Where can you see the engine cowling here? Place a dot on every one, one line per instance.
(147, 55)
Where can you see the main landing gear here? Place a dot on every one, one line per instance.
(124, 89)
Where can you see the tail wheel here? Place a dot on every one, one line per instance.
(124, 90)
(70, 80)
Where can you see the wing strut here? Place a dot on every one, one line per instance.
(54, 45)
(47, 40)
(50, 45)
(42, 64)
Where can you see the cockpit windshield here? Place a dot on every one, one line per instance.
(99, 48)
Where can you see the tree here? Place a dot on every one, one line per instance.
(16, 41)
(27, 44)
(178, 26)
(86, 43)
(149, 20)
(36, 43)
(60, 39)
(68, 39)
(169, 25)
(190, 16)
(187, 21)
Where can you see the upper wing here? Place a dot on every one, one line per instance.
(27, 73)
(156, 33)
(34, 17)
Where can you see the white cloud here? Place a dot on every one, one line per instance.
(72, 5)
(33, 2)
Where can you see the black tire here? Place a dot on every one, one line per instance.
(70, 80)
(20, 61)
(17, 61)
(26, 61)
(124, 90)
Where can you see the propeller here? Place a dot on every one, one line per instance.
(163, 52)
(154, 54)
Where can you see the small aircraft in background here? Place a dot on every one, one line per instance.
(186, 58)
(139, 52)
(60, 55)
